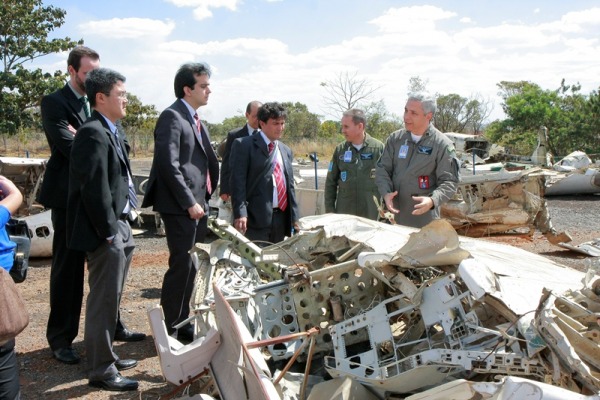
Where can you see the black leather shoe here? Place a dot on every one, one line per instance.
(66, 355)
(122, 365)
(116, 383)
(126, 335)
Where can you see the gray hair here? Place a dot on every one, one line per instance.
(358, 116)
(427, 101)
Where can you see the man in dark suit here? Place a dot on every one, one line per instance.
(63, 112)
(248, 129)
(101, 197)
(184, 172)
(262, 180)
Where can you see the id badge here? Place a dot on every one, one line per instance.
(403, 151)
(348, 156)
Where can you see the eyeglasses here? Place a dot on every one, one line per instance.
(121, 95)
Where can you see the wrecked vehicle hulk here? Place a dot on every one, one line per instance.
(386, 311)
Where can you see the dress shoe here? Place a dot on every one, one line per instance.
(126, 335)
(185, 334)
(66, 355)
(122, 365)
(116, 383)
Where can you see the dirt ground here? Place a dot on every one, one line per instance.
(44, 377)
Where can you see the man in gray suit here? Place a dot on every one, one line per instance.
(184, 173)
(101, 196)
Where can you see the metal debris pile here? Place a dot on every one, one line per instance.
(355, 309)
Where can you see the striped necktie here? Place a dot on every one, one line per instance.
(86, 106)
(279, 182)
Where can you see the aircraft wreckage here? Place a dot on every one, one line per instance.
(368, 310)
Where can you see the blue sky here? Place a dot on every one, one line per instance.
(281, 50)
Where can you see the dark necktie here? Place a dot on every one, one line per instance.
(255, 132)
(205, 145)
(132, 195)
(279, 182)
(86, 106)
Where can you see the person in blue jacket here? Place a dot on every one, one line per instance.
(10, 201)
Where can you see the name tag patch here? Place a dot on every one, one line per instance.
(403, 151)
(348, 156)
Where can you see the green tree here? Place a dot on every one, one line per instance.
(460, 114)
(380, 122)
(300, 123)
(592, 109)
(139, 124)
(565, 112)
(24, 29)
(329, 129)
(218, 132)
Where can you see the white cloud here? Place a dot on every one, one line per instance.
(202, 7)
(407, 19)
(129, 28)
(469, 59)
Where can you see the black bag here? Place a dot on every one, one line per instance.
(18, 233)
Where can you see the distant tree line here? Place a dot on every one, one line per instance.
(571, 117)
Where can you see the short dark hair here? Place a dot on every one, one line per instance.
(186, 76)
(272, 110)
(101, 80)
(358, 116)
(78, 53)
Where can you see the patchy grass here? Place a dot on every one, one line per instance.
(34, 145)
(323, 147)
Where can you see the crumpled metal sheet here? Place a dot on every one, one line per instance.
(508, 388)
(341, 389)
(591, 248)
(435, 244)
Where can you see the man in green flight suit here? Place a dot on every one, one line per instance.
(350, 185)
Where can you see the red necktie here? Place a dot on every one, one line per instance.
(278, 173)
(203, 140)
